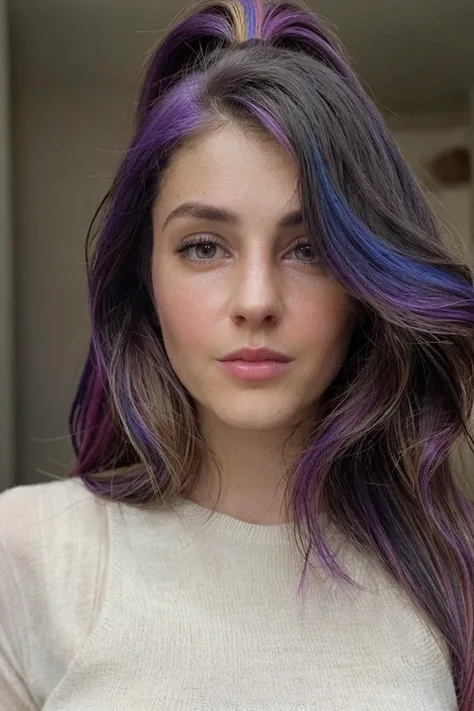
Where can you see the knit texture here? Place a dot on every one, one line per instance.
(106, 607)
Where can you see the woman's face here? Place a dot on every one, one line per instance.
(252, 280)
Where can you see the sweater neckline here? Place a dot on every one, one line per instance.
(235, 527)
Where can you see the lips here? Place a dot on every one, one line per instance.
(257, 355)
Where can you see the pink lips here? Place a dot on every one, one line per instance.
(253, 364)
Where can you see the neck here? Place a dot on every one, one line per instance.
(247, 477)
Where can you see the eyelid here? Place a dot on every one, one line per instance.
(299, 241)
(200, 238)
(212, 237)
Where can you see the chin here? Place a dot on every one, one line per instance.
(256, 418)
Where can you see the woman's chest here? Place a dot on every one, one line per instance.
(179, 649)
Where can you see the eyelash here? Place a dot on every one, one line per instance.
(190, 242)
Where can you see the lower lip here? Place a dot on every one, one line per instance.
(255, 370)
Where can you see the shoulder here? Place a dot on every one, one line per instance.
(24, 508)
(42, 520)
(54, 550)
(52, 533)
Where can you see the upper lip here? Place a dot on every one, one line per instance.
(256, 354)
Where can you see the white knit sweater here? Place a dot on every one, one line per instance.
(104, 607)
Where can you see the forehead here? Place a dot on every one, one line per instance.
(244, 170)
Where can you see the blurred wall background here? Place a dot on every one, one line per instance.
(8, 467)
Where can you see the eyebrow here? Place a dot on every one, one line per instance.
(211, 213)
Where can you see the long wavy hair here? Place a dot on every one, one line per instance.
(380, 459)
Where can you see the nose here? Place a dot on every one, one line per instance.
(255, 294)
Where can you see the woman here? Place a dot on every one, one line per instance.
(263, 514)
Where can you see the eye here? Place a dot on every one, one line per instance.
(199, 249)
(306, 253)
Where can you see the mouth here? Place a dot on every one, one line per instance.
(256, 355)
(253, 365)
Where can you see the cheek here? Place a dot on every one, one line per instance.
(326, 319)
(327, 341)
(186, 313)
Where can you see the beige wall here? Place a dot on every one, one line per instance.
(66, 143)
(453, 205)
(7, 460)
